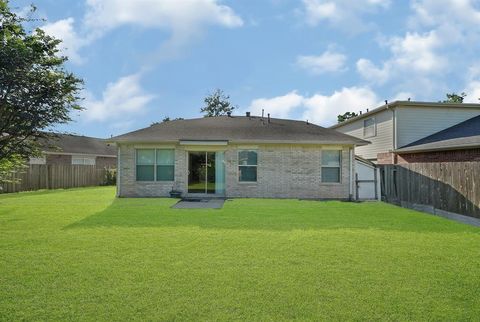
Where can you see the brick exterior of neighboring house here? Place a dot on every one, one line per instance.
(66, 149)
(463, 155)
(66, 159)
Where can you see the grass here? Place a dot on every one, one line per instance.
(81, 254)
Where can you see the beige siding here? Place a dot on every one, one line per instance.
(414, 123)
(381, 142)
(284, 171)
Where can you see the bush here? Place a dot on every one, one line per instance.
(110, 177)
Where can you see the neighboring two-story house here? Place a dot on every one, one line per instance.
(395, 125)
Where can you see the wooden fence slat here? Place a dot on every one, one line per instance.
(42, 176)
(449, 186)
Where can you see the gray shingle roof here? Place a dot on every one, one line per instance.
(460, 136)
(67, 143)
(238, 129)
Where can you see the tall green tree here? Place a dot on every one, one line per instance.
(217, 103)
(455, 98)
(343, 117)
(36, 91)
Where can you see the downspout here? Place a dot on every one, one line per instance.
(118, 170)
(350, 188)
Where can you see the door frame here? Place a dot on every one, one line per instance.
(202, 194)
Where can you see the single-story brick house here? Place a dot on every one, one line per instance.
(236, 156)
(67, 149)
(458, 143)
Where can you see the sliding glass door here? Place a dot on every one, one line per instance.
(206, 172)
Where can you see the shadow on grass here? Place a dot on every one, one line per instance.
(269, 215)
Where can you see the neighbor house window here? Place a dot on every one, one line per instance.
(369, 128)
(155, 164)
(331, 161)
(39, 160)
(83, 160)
(247, 166)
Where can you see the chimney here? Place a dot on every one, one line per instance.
(367, 110)
(360, 112)
(247, 114)
(268, 117)
(229, 114)
(262, 113)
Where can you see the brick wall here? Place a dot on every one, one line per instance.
(284, 171)
(386, 158)
(106, 162)
(58, 159)
(440, 156)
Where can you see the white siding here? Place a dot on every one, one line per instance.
(382, 142)
(414, 123)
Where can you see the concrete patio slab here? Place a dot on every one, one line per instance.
(199, 204)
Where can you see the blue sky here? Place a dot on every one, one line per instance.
(143, 60)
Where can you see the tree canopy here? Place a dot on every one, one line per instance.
(217, 103)
(348, 115)
(455, 98)
(36, 91)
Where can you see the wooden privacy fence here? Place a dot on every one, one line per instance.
(452, 187)
(42, 176)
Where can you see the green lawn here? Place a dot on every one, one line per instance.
(83, 255)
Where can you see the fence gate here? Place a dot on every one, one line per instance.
(366, 180)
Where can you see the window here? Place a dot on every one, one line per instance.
(40, 160)
(165, 165)
(155, 164)
(369, 128)
(83, 160)
(247, 166)
(331, 162)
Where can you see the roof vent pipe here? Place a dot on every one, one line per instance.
(247, 114)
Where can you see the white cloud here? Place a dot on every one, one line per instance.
(120, 100)
(71, 41)
(324, 109)
(329, 61)
(473, 92)
(412, 55)
(280, 106)
(319, 109)
(344, 14)
(183, 19)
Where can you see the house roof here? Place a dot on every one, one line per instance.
(460, 136)
(245, 129)
(396, 104)
(76, 144)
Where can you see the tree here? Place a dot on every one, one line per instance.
(216, 104)
(346, 116)
(455, 98)
(36, 91)
(167, 119)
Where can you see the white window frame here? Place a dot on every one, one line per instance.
(238, 165)
(330, 167)
(374, 125)
(85, 160)
(155, 165)
(38, 160)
